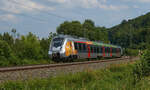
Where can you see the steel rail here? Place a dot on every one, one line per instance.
(8, 69)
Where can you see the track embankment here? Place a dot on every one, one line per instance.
(45, 71)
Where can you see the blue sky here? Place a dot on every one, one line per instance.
(43, 16)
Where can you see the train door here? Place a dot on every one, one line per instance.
(101, 51)
(91, 51)
(110, 51)
(88, 49)
(107, 52)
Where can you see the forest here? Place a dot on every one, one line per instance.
(16, 49)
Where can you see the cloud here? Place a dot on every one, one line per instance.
(58, 1)
(144, 1)
(140, 1)
(135, 6)
(8, 17)
(113, 7)
(22, 6)
(89, 4)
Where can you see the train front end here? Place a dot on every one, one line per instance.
(56, 50)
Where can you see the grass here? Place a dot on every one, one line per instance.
(115, 77)
(144, 84)
(7, 63)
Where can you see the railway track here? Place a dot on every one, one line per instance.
(7, 69)
(45, 71)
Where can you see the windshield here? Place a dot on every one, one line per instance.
(57, 42)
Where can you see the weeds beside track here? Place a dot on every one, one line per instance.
(44, 71)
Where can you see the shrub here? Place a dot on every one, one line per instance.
(142, 68)
(131, 52)
(7, 57)
(5, 53)
(146, 62)
(29, 47)
(5, 50)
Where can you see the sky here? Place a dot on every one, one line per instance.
(44, 16)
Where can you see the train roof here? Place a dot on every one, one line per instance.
(74, 38)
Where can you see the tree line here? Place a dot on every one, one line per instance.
(21, 49)
(16, 49)
(87, 30)
(133, 33)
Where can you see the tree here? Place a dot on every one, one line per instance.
(8, 38)
(29, 47)
(5, 50)
(132, 33)
(124, 21)
(87, 30)
(70, 28)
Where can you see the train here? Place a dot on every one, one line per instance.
(64, 47)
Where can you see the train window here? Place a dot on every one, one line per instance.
(75, 45)
(91, 48)
(101, 50)
(114, 50)
(94, 49)
(80, 47)
(57, 42)
(84, 47)
(108, 50)
(97, 49)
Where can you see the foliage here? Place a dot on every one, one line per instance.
(45, 43)
(143, 84)
(30, 47)
(133, 33)
(87, 30)
(6, 55)
(16, 49)
(142, 68)
(131, 52)
(5, 50)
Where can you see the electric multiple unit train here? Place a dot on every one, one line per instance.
(67, 47)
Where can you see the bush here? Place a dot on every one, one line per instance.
(146, 62)
(30, 47)
(131, 52)
(142, 68)
(3, 61)
(7, 57)
(5, 53)
(5, 50)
